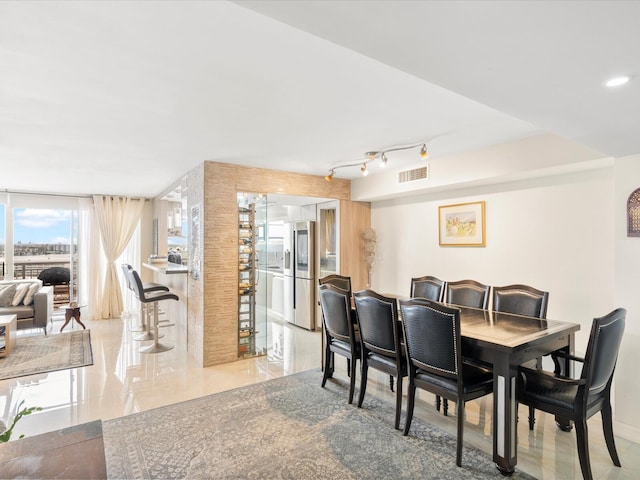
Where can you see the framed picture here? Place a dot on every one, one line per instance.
(462, 225)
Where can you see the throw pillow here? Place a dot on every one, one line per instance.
(33, 289)
(6, 295)
(21, 291)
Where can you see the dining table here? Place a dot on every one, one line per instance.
(504, 342)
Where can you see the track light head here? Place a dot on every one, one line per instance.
(371, 155)
(383, 160)
(364, 170)
(423, 151)
(329, 177)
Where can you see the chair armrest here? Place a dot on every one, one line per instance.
(538, 376)
(560, 353)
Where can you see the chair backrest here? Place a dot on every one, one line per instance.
(432, 337)
(428, 287)
(336, 312)
(602, 351)
(377, 318)
(521, 300)
(127, 276)
(468, 293)
(136, 284)
(339, 281)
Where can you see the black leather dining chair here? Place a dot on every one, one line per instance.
(380, 338)
(522, 300)
(340, 335)
(336, 280)
(579, 399)
(434, 354)
(431, 288)
(344, 283)
(468, 293)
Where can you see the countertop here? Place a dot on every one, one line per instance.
(168, 268)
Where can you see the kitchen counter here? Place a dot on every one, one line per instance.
(168, 268)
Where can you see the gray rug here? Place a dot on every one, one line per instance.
(288, 428)
(42, 354)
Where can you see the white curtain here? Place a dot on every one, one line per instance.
(117, 218)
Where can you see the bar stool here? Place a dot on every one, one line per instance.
(147, 287)
(152, 298)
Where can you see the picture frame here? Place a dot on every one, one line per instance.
(462, 225)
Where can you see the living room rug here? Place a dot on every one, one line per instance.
(42, 354)
(288, 428)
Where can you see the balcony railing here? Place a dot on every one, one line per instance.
(28, 267)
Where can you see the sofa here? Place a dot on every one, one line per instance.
(29, 300)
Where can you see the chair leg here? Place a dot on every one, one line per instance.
(607, 426)
(532, 417)
(391, 382)
(348, 366)
(438, 402)
(363, 381)
(398, 401)
(411, 396)
(352, 381)
(460, 415)
(445, 407)
(582, 440)
(327, 367)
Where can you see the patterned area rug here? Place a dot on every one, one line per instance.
(288, 428)
(48, 353)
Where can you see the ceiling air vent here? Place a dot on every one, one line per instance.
(411, 175)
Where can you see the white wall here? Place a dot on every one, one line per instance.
(555, 234)
(627, 294)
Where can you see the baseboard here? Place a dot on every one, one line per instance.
(627, 432)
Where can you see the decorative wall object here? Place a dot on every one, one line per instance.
(462, 225)
(370, 239)
(194, 248)
(633, 214)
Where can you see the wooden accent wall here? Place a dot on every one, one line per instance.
(220, 244)
(355, 218)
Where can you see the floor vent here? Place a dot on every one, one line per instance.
(411, 175)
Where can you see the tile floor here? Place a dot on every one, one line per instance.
(123, 381)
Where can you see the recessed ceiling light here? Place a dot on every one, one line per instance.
(617, 81)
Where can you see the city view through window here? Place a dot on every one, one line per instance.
(42, 238)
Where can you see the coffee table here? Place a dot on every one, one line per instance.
(10, 325)
(72, 311)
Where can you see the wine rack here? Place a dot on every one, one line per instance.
(246, 281)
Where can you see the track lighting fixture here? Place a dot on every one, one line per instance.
(381, 154)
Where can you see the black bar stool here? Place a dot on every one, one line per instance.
(144, 325)
(151, 298)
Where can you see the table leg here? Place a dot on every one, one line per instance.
(76, 315)
(67, 318)
(504, 415)
(566, 369)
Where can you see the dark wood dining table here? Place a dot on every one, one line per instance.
(507, 341)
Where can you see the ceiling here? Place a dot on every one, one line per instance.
(124, 98)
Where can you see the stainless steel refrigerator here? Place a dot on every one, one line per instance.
(299, 274)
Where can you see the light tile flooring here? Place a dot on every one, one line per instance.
(123, 381)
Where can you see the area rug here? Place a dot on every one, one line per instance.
(48, 353)
(288, 428)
